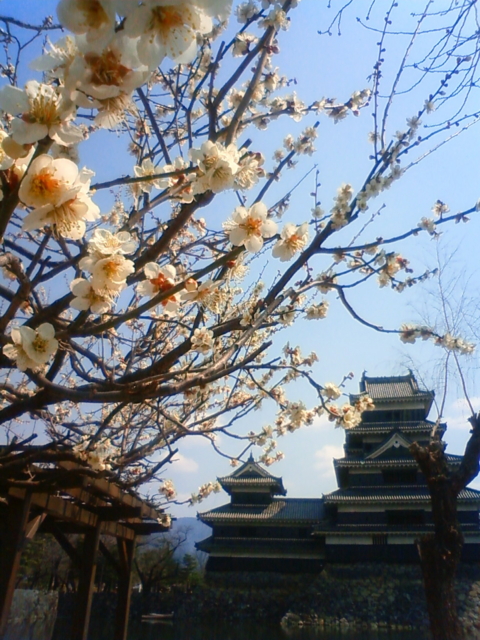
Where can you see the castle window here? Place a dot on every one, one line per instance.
(405, 516)
(399, 476)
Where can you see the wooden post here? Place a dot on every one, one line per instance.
(126, 549)
(81, 618)
(12, 543)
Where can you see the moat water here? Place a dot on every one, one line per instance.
(237, 630)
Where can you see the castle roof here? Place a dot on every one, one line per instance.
(412, 426)
(394, 389)
(395, 494)
(402, 462)
(280, 510)
(252, 476)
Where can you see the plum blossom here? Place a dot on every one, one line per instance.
(249, 171)
(218, 166)
(327, 281)
(98, 457)
(105, 243)
(317, 311)
(242, 44)
(277, 18)
(391, 264)
(452, 343)
(94, 18)
(170, 27)
(439, 208)
(342, 206)
(203, 294)
(49, 181)
(202, 340)
(296, 414)
(67, 218)
(167, 488)
(428, 225)
(180, 184)
(347, 416)
(105, 80)
(204, 491)
(6, 161)
(43, 112)
(58, 191)
(246, 11)
(248, 227)
(292, 240)
(86, 297)
(56, 61)
(331, 391)
(111, 273)
(32, 348)
(147, 168)
(350, 417)
(109, 268)
(364, 403)
(160, 280)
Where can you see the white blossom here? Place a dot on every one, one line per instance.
(108, 273)
(106, 79)
(58, 191)
(317, 311)
(168, 28)
(105, 243)
(248, 227)
(49, 181)
(167, 488)
(160, 280)
(86, 297)
(32, 348)
(292, 240)
(43, 112)
(331, 391)
(428, 225)
(202, 340)
(94, 18)
(218, 165)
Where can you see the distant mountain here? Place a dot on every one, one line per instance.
(191, 527)
(195, 531)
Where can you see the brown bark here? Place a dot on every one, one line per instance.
(440, 551)
(439, 556)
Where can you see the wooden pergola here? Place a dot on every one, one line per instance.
(60, 499)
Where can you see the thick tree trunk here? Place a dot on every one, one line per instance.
(439, 567)
(440, 551)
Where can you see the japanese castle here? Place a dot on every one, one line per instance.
(381, 506)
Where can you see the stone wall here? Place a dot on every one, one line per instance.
(361, 596)
(32, 615)
(374, 596)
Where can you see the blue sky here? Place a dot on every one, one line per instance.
(332, 66)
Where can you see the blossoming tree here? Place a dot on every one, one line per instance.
(124, 331)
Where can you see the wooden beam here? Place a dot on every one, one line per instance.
(65, 510)
(147, 528)
(110, 557)
(65, 543)
(34, 525)
(114, 513)
(81, 617)
(106, 510)
(126, 549)
(110, 489)
(12, 543)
